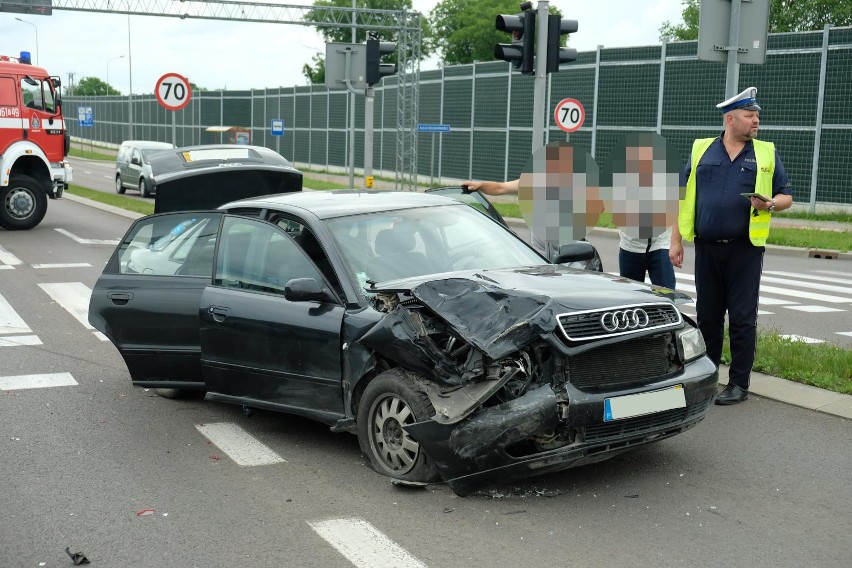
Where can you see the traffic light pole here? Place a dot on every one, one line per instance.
(540, 93)
(368, 138)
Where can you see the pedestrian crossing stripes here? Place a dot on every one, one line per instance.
(74, 297)
(238, 444)
(23, 382)
(10, 321)
(363, 544)
(8, 260)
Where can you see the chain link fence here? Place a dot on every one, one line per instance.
(804, 88)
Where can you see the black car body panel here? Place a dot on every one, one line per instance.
(205, 177)
(529, 367)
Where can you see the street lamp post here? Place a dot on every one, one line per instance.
(35, 27)
(108, 62)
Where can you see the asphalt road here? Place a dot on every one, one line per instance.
(127, 478)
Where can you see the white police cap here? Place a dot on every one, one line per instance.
(747, 100)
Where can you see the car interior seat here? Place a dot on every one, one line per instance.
(395, 254)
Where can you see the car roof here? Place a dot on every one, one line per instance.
(340, 203)
(147, 144)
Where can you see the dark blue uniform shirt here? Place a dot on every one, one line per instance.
(721, 212)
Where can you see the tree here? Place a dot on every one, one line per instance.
(316, 73)
(784, 16)
(93, 87)
(464, 32)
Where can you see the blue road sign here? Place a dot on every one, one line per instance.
(86, 116)
(433, 128)
(278, 127)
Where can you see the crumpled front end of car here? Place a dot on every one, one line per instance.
(524, 385)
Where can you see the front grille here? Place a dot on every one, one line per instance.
(634, 426)
(630, 361)
(586, 325)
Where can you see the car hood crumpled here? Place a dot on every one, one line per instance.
(500, 310)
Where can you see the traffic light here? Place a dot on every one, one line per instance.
(556, 28)
(375, 68)
(521, 52)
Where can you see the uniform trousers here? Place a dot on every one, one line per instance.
(727, 279)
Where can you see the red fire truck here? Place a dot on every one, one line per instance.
(33, 142)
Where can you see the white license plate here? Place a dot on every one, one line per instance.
(632, 405)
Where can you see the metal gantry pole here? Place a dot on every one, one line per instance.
(732, 77)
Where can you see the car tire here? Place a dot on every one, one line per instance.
(390, 401)
(143, 188)
(23, 203)
(119, 187)
(173, 393)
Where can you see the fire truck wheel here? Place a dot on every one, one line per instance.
(119, 187)
(24, 203)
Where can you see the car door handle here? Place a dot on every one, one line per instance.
(120, 298)
(219, 314)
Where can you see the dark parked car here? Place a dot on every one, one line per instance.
(453, 349)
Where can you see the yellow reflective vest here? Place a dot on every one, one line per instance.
(758, 229)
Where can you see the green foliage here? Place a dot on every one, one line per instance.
(315, 73)
(464, 30)
(822, 365)
(784, 16)
(93, 87)
(145, 207)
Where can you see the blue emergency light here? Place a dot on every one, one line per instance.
(25, 58)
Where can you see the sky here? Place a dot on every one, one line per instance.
(236, 55)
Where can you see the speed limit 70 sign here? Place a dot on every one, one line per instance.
(569, 115)
(173, 91)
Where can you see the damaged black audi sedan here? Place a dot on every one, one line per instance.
(452, 348)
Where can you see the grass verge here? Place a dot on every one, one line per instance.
(114, 199)
(90, 155)
(822, 365)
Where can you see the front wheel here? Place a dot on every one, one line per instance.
(390, 402)
(119, 187)
(24, 203)
(143, 188)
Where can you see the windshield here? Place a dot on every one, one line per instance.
(412, 242)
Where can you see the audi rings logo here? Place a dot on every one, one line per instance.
(624, 319)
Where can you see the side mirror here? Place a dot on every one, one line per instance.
(135, 161)
(578, 251)
(57, 93)
(306, 290)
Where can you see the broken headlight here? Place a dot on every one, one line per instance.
(690, 344)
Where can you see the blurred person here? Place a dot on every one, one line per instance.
(730, 232)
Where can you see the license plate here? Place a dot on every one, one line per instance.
(642, 403)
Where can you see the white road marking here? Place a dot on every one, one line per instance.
(6, 267)
(806, 276)
(832, 272)
(765, 313)
(17, 340)
(8, 258)
(761, 299)
(10, 321)
(238, 444)
(801, 338)
(364, 545)
(83, 241)
(811, 285)
(73, 296)
(63, 265)
(101, 336)
(795, 293)
(814, 309)
(21, 382)
(846, 333)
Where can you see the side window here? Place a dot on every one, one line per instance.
(8, 98)
(137, 156)
(309, 244)
(31, 92)
(49, 102)
(259, 257)
(171, 245)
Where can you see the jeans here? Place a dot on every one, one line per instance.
(633, 265)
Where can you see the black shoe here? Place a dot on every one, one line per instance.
(731, 394)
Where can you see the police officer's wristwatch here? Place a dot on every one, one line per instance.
(771, 208)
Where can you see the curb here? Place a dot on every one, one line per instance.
(102, 206)
(796, 394)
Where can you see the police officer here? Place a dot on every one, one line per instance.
(730, 231)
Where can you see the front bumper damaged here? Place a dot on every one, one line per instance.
(478, 451)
